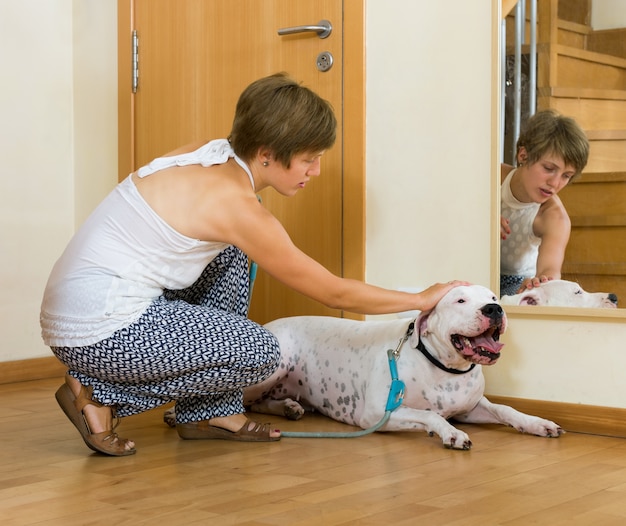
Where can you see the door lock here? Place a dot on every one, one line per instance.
(324, 61)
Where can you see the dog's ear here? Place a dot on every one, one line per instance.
(421, 328)
(414, 338)
(531, 297)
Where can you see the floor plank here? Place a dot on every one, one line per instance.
(49, 477)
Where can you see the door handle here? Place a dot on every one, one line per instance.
(323, 29)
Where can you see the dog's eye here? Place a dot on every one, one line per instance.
(461, 301)
(578, 292)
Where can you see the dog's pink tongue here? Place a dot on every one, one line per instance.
(489, 344)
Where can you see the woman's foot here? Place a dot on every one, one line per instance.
(233, 427)
(235, 423)
(93, 420)
(99, 417)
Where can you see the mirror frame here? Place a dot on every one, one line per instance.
(496, 139)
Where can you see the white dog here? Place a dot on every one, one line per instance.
(341, 368)
(561, 293)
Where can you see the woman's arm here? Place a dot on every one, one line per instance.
(261, 236)
(552, 249)
(553, 226)
(505, 227)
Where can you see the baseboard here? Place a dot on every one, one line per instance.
(33, 369)
(576, 418)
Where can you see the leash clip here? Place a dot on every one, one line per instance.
(394, 400)
(396, 389)
(409, 331)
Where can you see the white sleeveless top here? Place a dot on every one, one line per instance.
(518, 253)
(122, 258)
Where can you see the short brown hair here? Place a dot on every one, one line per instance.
(277, 113)
(548, 132)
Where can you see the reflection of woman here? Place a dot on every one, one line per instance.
(148, 302)
(552, 150)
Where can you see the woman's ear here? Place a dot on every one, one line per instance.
(264, 156)
(522, 156)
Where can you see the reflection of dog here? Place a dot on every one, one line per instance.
(340, 368)
(561, 293)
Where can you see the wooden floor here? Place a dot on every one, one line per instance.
(49, 477)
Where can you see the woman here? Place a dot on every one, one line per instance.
(148, 303)
(534, 226)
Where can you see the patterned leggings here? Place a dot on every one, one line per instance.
(510, 284)
(195, 346)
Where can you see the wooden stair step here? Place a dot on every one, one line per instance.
(601, 177)
(595, 195)
(607, 156)
(572, 67)
(574, 27)
(572, 34)
(601, 118)
(591, 56)
(597, 245)
(590, 221)
(613, 269)
(609, 41)
(582, 93)
(576, 53)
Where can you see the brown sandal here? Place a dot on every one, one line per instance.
(106, 442)
(251, 431)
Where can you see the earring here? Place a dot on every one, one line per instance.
(266, 163)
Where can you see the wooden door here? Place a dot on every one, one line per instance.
(195, 58)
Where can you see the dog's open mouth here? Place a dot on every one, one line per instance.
(483, 349)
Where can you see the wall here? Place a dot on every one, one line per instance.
(558, 358)
(429, 193)
(429, 189)
(94, 103)
(428, 142)
(58, 101)
(608, 14)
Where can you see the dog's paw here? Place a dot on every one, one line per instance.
(540, 427)
(548, 429)
(293, 410)
(169, 417)
(286, 407)
(456, 439)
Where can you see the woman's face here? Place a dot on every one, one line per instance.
(543, 179)
(302, 167)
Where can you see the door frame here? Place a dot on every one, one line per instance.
(353, 155)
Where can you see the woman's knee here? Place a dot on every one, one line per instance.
(268, 352)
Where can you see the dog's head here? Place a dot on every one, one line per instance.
(562, 293)
(464, 326)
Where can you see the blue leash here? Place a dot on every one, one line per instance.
(394, 400)
(396, 389)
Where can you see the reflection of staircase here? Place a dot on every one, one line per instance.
(582, 74)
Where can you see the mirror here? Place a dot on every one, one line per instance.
(581, 73)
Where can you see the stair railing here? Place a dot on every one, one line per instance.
(520, 39)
